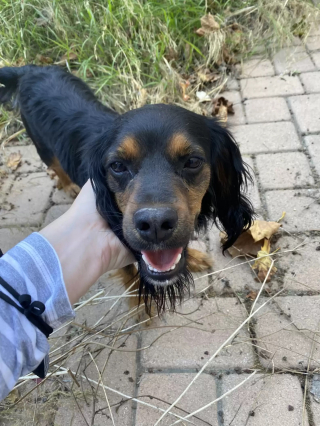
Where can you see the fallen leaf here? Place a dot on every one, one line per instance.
(252, 295)
(244, 245)
(264, 262)
(20, 62)
(262, 229)
(171, 54)
(44, 59)
(14, 160)
(228, 57)
(221, 108)
(203, 97)
(250, 241)
(184, 86)
(71, 56)
(208, 25)
(208, 77)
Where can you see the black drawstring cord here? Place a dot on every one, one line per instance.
(32, 310)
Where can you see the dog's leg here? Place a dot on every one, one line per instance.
(198, 261)
(64, 181)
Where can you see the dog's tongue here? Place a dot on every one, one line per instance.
(162, 260)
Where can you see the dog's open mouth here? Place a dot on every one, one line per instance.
(163, 265)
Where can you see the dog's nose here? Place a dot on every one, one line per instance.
(155, 225)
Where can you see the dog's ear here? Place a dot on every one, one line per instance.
(225, 201)
(105, 199)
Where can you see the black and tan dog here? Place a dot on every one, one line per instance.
(160, 172)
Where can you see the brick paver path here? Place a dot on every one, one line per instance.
(277, 126)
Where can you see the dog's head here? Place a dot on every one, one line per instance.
(160, 174)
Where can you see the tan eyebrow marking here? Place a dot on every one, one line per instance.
(129, 148)
(179, 146)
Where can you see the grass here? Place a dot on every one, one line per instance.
(137, 51)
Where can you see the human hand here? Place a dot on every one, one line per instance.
(85, 245)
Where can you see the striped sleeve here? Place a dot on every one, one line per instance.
(31, 267)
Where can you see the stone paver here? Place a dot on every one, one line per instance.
(286, 331)
(119, 374)
(311, 81)
(261, 87)
(306, 111)
(316, 58)
(232, 84)
(30, 197)
(61, 197)
(292, 59)
(233, 276)
(266, 110)
(313, 144)
(301, 207)
(315, 405)
(266, 137)
(167, 387)
(313, 43)
(299, 269)
(30, 160)
(284, 170)
(9, 237)
(54, 212)
(201, 330)
(256, 67)
(270, 400)
(253, 192)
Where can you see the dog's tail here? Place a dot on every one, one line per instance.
(9, 78)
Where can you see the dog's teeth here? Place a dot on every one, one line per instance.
(144, 258)
(178, 258)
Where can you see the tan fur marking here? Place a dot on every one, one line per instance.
(178, 146)
(64, 181)
(197, 192)
(198, 261)
(129, 148)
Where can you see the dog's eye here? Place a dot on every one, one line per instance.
(118, 167)
(193, 163)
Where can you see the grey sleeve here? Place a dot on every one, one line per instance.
(31, 267)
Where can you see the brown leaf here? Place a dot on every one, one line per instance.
(250, 241)
(208, 77)
(14, 160)
(171, 54)
(44, 59)
(262, 229)
(20, 62)
(243, 246)
(208, 25)
(252, 295)
(228, 57)
(184, 86)
(264, 262)
(71, 56)
(221, 108)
